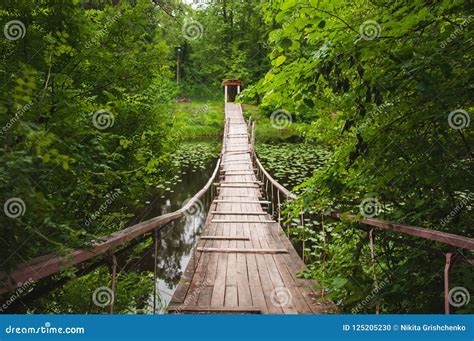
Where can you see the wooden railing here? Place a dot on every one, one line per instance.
(278, 194)
(51, 264)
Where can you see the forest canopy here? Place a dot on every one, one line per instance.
(383, 88)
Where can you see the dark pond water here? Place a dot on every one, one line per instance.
(135, 291)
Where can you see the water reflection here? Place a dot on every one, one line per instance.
(135, 265)
(175, 242)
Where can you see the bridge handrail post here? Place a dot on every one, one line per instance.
(114, 273)
(374, 273)
(304, 234)
(155, 263)
(279, 207)
(447, 267)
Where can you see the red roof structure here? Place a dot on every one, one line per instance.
(230, 82)
(232, 88)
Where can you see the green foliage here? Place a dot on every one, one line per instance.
(231, 44)
(268, 131)
(89, 124)
(76, 63)
(378, 82)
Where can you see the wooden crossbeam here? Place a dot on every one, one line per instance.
(239, 170)
(224, 238)
(238, 186)
(235, 162)
(240, 250)
(242, 221)
(238, 213)
(250, 196)
(213, 310)
(236, 174)
(237, 153)
(241, 182)
(241, 201)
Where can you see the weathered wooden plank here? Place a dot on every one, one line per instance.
(229, 213)
(236, 172)
(242, 201)
(243, 288)
(240, 182)
(218, 292)
(238, 186)
(215, 310)
(224, 238)
(240, 250)
(227, 221)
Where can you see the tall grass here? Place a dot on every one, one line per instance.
(200, 119)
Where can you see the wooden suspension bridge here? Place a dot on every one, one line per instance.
(244, 262)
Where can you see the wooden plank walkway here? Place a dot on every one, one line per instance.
(244, 263)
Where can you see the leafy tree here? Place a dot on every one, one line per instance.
(380, 83)
(86, 116)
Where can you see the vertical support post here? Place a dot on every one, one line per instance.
(372, 257)
(279, 206)
(238, 89)
(266, 187)
(114, 272)
(225, 94)
(289, 224)
(323, 254)
(447, 267)
(304, 234)
(272, 200)
(155, 261)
